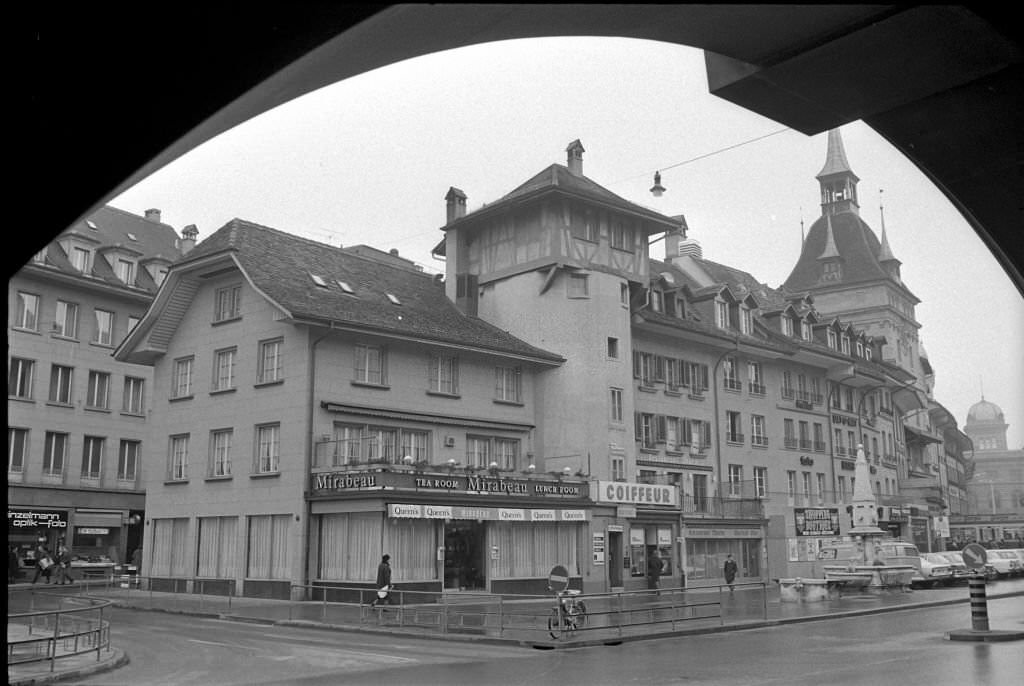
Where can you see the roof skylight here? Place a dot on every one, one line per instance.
(318, 280)
(393, 299)
(345, 287)
(92, 225)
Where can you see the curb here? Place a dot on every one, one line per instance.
(119, 659)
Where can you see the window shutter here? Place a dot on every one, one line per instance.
(638, 432)
(659, 428)
(659, 368)
(636, 364)
(704, 377)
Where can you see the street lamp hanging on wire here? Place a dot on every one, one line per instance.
(657, 189)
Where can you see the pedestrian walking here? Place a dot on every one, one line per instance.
(63, 566)
(730, 571)
(654, 567)
(13, 564)
(383, 582)
(44, 563)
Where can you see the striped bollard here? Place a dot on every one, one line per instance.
(979, 605)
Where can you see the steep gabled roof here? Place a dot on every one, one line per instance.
(279, 265)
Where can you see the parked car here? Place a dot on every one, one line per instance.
(961, 572)
(894, 552)
(1019, 552)
(1005, 562)
(935, 570)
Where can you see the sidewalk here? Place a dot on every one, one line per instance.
(743, 609)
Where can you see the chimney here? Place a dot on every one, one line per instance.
(393, 251)
(677, 244)
(574, 155)
(188, 239)
(153, 215)
(456, 200)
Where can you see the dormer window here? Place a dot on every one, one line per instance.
(126, 271)
(722, 314)
(832, 271)
(860, 349)
(868, 353)
(832, 339)
(805, 330)
(787, 326)
(657, 301)
(846, 344)
(80, 259)
(746, 321)
(40, 257)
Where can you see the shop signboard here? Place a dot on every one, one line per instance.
(630, 493)
(816, 521)
(20, 518)
(413, 511)
(335, 483)
(598, 548)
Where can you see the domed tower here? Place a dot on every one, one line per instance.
(986, 426)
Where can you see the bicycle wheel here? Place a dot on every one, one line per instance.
(554, 622)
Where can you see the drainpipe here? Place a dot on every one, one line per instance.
(307, 506)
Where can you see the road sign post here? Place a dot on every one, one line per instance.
(558, 579)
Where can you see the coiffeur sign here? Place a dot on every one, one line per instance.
(629, 493)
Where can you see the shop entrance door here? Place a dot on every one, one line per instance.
(615, 559)
(464, 555)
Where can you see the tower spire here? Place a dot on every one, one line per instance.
(838, 182)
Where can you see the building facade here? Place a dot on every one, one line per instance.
(78, 420)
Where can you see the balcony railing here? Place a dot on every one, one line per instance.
(805, 444)
(819, 446)
(840, 451)
(756, 388)
(788, 393)
(790, 442)
(761, 441)
(733, 437)
(712, 507)
(732, 384)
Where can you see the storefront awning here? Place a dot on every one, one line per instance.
(362, 411)
(914, 433)
(95, 519)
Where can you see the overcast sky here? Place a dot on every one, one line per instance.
(369, 160)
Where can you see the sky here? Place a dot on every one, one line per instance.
(369, 160)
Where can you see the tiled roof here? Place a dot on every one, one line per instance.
(857, 246)
(110, 227)
(280, 265)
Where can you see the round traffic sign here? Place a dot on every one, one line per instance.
(558, 578)
(975, 555)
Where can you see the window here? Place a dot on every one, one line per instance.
(80, 259)
(268, 449)
(60, 384)
(506, 453)
(645, 428)
(224, 369)
(159, 274)
(622, 235)
(177, 462)
(92, 457)
(791, 485)
(66, 322)
(55, 450)
(220, 452)
(444, 374)
(746, 321)
(848, 399)
(478, 451)
(126, 271)
(733, 427)
(104, 328)
(616, 404)
(819, 437)
(19, 378)
(731, 374)
(268, 547)
(17, 450)
(695, 375)
(721, 314)
(40, 257)
(618, 469)
(735, 480)
(132, 322)
(846, 344)
(183, 377)
(816, 390)
(831, 338)
(789, 433)
(579, 286)
(787, 326)
(838, 440)
(787, 385)
(98, 391)
(128, 461)
(805, 330)
(657, 300)
(624, 294)
(507, 384)
(270, 366)
(853, 442)
(756, 378)
(821, 487)
(805, 480)
(673, 433)
(27, 313)
(170, 549)
(416, 444)
(133, 395)
(757, 432)
(227, 303)
(805, 436)
(761, 482)
(697, 433)
(371, 365)
(217, 545)
(842, 489)
(613, 348)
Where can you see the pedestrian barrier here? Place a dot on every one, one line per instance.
(55, 626)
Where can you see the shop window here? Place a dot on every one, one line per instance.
(217, 554)
(268, 547)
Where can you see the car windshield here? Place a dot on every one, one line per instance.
(935, 558)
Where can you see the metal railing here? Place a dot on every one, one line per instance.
(71, 625)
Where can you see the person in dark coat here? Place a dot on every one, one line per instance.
(654, 569)
(383, 581)
(13, 564)
(63, 565)
(730, 571)
(44, 563)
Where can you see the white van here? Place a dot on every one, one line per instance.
(894, 552)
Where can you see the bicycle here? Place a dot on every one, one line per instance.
(569, 615)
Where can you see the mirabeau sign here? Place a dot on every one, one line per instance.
(629, 493)
(324, 483)
(501, 514)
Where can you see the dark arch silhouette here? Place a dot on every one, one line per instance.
(115, 94)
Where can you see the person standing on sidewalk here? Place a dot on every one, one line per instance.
(654, 567)
(63, 565)
(730, 571)
(13, 564)
(383, 582)
(44, 563)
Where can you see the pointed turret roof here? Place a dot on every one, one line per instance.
(830, 250)
(835, 157)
